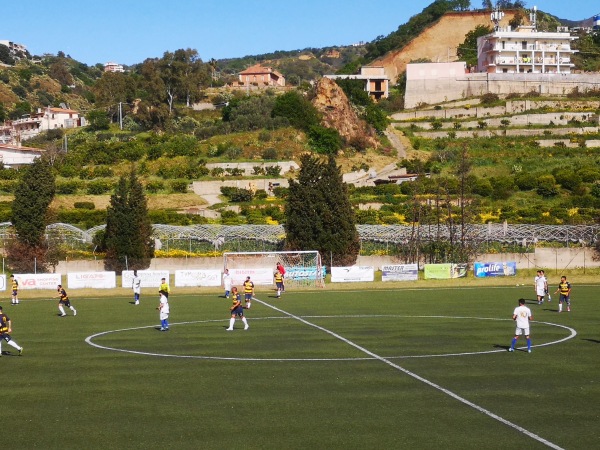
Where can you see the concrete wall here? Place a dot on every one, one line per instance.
(443, 89)
(509, 132)
(512, 107)
(548, 258)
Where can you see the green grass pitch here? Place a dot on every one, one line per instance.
(364, 369)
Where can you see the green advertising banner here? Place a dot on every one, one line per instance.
(445, 271)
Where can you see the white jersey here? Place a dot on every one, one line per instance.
(136, 284)
(540, 285)
(164, 305)
(523, 314)
(227, 281)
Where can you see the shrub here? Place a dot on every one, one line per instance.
(99, 187)
(8, 186)
(236, 195)
(280, 192)
(179, 186)
(67, 187)
(265, 136)
(436, 124)
(502, 187)
(258, 170)
(217, 171)
(230, 218)
(84, 205)
(567, 179)
(525, 181)
(269, 154)
(154, 186)
(273, 171)
(489, 98)
(546, 186)
(261, 194)
(324, 140)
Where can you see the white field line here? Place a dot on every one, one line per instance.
(423, 380)
(90, 339)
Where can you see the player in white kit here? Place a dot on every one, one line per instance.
(521, 315)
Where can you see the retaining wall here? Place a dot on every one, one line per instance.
(548, 258)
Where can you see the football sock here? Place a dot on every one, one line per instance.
(528, 344)
(231, 322)
(13, 344)
(513, 343)
(560, 307)
(61, 309)
(71, 308)
(245, 321)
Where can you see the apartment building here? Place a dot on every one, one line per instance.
(525, 50)
(113, 67)
(18, 51)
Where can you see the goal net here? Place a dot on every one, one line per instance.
(302, 268)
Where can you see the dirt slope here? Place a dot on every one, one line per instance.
(437, 43)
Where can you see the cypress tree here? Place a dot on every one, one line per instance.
(128, 236)
(33, 196)
(319, 215)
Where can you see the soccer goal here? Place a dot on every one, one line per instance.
(302, 268)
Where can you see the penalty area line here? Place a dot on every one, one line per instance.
(448, 392)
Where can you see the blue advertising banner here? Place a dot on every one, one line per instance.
(304, 273)
(495, 269)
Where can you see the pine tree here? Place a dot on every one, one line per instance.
(128, 236)
(319, 215)
(33, 196)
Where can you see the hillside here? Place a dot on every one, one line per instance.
(438, 43)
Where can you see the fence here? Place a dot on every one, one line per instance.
(390, 240)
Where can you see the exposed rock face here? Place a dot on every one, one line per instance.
(337, 112)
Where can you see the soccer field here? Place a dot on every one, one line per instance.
(364, 369)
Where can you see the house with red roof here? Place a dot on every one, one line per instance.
(260, 76)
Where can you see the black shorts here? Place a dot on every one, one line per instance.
(67, 303)
(6, 337)
(239, 311)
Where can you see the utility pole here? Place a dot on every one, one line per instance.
(121, 115)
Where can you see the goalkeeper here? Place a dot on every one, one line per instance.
(281, 270)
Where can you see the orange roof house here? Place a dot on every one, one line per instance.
(261, 76)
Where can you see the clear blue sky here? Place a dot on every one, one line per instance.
(129, 31)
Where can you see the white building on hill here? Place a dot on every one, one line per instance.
(29, 126)
(16, 155)
(525, 50)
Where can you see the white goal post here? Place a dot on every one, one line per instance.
(302, 268)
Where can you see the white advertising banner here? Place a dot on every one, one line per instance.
(258, 276)
(149, 278)
(400, 272)
(197, 278)
(93, 280)
(352, 274)
(3, 282)
(38, 281)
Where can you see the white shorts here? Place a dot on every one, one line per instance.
(164, 316)
(541, 292)
(523, 331)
